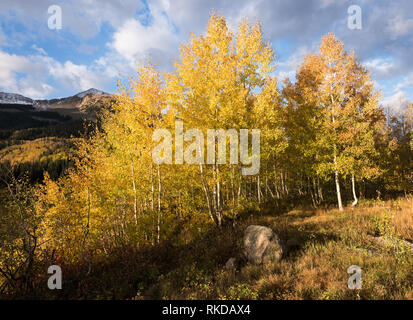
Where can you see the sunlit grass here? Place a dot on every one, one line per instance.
(329, 242)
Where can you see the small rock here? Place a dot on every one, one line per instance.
(230, 264)
(262, 245)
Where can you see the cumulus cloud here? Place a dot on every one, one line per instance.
(157, 41)
(406, 82)
(77, 77)
(23, 75)
(32, 88)
(81, 17)
(380, 67)
(154, 29)
(29, 75)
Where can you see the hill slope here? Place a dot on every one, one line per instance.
(18, 112)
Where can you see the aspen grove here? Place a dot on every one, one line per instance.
(325, 141)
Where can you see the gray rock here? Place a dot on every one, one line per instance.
(230, 264)
(262, 245)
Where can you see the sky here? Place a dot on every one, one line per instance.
(101, 41)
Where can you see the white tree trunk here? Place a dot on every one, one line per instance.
(340, 204)
(353, 188)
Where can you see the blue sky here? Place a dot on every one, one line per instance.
(103, 40)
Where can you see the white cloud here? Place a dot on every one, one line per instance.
(398, 26)
(397, 102)
(406, 82)
(380, 66)
(82, 17)
(39, 50)
(29, 75)
(32, 88)
(288, 68)
(25, 75)
(136, 42)
(78, 77)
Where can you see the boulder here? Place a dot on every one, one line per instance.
(262, 245)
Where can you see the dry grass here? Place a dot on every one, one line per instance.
(329, 242)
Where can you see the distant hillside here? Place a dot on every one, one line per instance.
(81, 106)
(17, 116)
(36, 150)
(34, 158)
(73, 102)
(74, 106)
(32, 132)
(18, 112)
(38, 136)
(13, 98)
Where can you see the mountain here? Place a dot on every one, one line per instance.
(71, 101)
(85, 104)
(73, 106)
(20, 113)
(90, 91)
(39, 135)
(18, 99)
(14, 98)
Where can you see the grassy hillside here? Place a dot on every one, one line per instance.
(34, 140)
(36, 150)
(35, 157)
(328, 242)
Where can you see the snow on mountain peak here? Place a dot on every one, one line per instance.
(90, 91)
(14, 98)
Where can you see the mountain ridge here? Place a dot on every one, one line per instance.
(18, 99)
